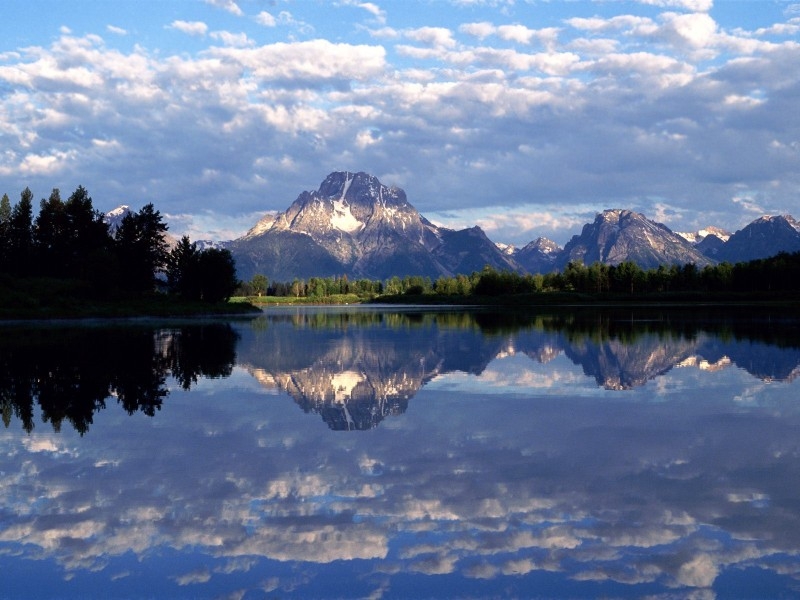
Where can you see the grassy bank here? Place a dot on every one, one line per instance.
(302, 300)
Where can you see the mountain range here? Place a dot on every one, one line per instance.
(354, 225)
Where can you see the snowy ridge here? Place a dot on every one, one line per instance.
(695, 237)
(120, 211)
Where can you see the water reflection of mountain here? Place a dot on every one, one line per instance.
(71, 372)
(355, 369)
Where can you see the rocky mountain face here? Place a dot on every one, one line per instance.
(539, 256)
(618, 236)
(762, 238)
(353, 225)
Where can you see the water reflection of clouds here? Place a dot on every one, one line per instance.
(517, 373)
(443, 502)
(662, 497)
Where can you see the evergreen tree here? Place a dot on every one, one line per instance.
(208, 275)
(181, 264)
(5, 224)
(20, 235)
(216, 272)
(141, 248)
(50, 236)
(87, 237)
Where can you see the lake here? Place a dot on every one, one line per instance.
(386, 452)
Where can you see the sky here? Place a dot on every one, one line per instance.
(525, 117)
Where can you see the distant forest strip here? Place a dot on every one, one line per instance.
(67, 258)
(777, 275)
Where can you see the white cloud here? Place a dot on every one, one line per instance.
(197, 28)
(313, 60)
(698, 30)
(46, 164)
(480, 30)
(226, 5)
(116, 30)
(627, 23)
(436, 37)
(699, 572)
(516, 33)
(689, 5)
(376, 11)
(266, 19)
(194, 577)
(237, 40)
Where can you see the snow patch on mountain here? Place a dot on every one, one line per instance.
(695, 237)
(507, 249)
(342, 217)
(120, 211)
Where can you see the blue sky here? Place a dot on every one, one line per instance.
(524, 117)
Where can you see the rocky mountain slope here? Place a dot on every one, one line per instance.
(618, 236)
(539, 256)
(764, 237)
(353, 225)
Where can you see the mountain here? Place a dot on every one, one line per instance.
(618, 236)
(539, 256)
(114, 217)
(762, 238)
(711, 246)
(697, 237)
(353, 225)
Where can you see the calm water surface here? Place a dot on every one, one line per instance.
(386, 453)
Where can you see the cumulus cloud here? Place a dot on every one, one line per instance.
(238, 40)
(227, 5)
(266, 19)
(689, 5)
(190, 27)
(436, 37)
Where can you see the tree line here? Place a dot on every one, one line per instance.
(70, 239)
(780, 273)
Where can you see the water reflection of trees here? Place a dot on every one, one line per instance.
(71, 373)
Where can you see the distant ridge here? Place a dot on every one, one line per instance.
(355, 226)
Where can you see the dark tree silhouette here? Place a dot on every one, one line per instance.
(141, 249)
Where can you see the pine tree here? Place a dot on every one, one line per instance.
(141, 248)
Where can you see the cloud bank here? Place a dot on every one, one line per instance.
(663, 107)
